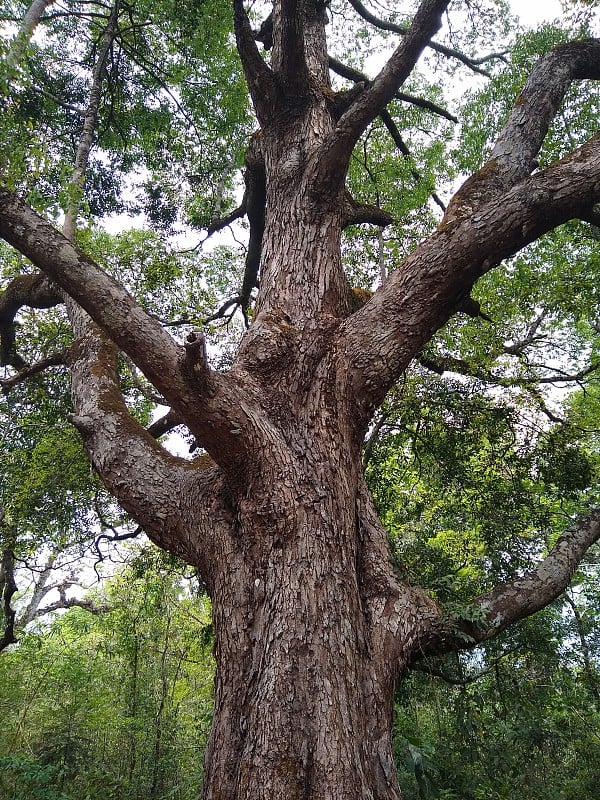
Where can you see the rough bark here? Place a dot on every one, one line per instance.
(312, 626)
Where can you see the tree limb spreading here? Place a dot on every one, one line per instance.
(35, 291)
(401, 316)
(513, 155)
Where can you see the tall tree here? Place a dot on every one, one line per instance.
(313, 625)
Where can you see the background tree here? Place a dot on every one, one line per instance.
(315, 618)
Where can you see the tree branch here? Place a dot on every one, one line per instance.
(147, 481)
(54, 360)
(513, 156)
(288, 60)
(34, 291)
(86, 138)
(421, 295)
(259, 76)
(507, 604)
(493, 612)
(472, 63)
(31, 20)
(8, 587)
(356, 76)
(107, 302)
(392, 128)
(338, 148)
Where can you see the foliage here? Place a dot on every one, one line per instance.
(116, 705)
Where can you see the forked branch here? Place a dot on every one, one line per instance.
(420, 296)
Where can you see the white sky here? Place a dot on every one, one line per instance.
(533, 12)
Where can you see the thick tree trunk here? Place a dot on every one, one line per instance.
(303, 702)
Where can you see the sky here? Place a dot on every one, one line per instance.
(533, 12)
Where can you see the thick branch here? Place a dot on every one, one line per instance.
(255, 202)
(8, 587)
(513, 156)
(107, 302)
(289, 60)
(511, 602)
(364, 214)
(420, 296)
(370, 103)
(164, 424)
(34, 291)
(259, 76)
(536, 589)
(149, 483)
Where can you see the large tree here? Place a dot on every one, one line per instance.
(314, 626)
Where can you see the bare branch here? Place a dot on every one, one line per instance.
(472, 63)
(259, 76)
(370, 103)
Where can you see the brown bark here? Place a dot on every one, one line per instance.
(312, 626)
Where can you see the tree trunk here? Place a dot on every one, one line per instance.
(303, 701)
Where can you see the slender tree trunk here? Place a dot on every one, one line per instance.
(30, 22)
(591, 679)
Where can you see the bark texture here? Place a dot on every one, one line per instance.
(313, 628)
